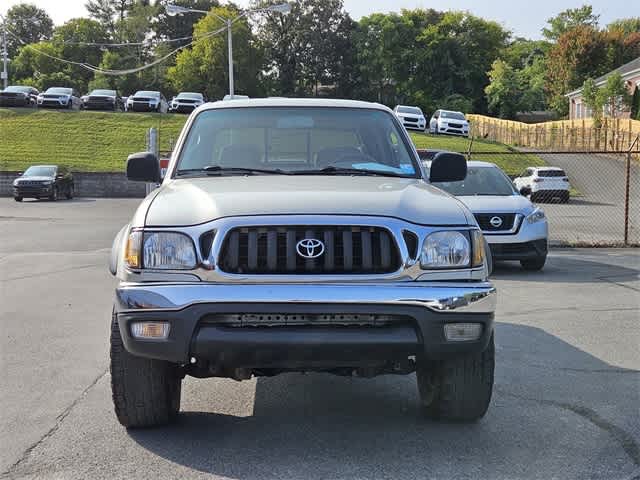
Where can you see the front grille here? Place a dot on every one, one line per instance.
(484, 221)
(141, 99)
(30, 183)
(272, 250)
(410, 119)
(100, 99)
(9, 94)
(512, 248)
(184, 100)
(53, 97)
(455, 125)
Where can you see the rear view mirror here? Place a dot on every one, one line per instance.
(143, 167)
(448, 167)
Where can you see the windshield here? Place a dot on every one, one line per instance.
(297, 140)
(193, 96)
(40, 171)
(452, 115)
(480, 181)
(413, 110)
(65, 91)
(109, 93)
(17, 88)
(146, 93)
(551, 173)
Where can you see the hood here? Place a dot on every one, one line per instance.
(497, 204)
(36, 179)
(419, 115)
(181, 202)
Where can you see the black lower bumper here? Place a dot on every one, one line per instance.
(519, 251)
(32, 192)
(192, 334)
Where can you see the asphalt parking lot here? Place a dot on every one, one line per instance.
(565, 405)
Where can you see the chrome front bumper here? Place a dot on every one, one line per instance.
(474, 297)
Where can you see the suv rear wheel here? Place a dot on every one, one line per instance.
(146, 392)
(458, 388)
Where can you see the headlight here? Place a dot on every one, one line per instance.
(446, 249)
(160, 251)
(536, 216)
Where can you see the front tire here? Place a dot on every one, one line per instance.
(17, 199)
(535, 264)
(146, 392)
(458, 388)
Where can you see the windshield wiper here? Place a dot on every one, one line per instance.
(331, 170)
(218, 170)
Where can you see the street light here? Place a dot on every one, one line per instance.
(173, 10)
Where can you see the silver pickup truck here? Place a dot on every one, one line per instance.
(299, 236)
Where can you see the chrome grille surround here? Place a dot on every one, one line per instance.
(208, 271)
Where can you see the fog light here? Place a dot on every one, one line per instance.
(462, 332)
(150, 330)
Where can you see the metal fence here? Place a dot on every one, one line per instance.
(604, 204)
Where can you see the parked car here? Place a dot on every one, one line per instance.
(19, 96)
(147, 101)
(186, 102)
(514, 228)
(448, 122)
(298, 235)
(59, 97)
(101, 99)
(44, 181)
(235, 97)
(544, 184)
(410, 117)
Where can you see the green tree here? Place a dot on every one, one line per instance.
(594, 99)
(110, 12)
(504, 90)
(635, 104)
(570, 19)
(203, 68)
(625, 25)
(578, 54)
(72, 41)
(309, 47)
(454, 55)
(616, 96)
(29, 23)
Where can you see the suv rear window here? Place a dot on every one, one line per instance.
(551, 173)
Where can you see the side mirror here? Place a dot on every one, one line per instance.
(525, 191)
(20, 174)
(143, 167)
(448, 167)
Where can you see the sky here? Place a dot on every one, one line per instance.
(525, 18)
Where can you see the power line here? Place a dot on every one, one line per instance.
(111, 72)
(123, 44)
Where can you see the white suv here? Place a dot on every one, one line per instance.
(446, 121)
(544, 183)
(411, 117)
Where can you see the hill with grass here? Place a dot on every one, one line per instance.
(101, 141)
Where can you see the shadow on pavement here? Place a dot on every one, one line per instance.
(553, 403)
(566, 270)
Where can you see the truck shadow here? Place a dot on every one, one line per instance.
(552, 403)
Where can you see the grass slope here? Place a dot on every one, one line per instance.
(101, 141)
(84, 141)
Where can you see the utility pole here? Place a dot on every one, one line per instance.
(5, 75)
(230, 42)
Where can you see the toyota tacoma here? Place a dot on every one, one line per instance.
(299, 236)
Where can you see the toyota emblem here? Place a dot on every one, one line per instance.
(310, 248)
(496, 222)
